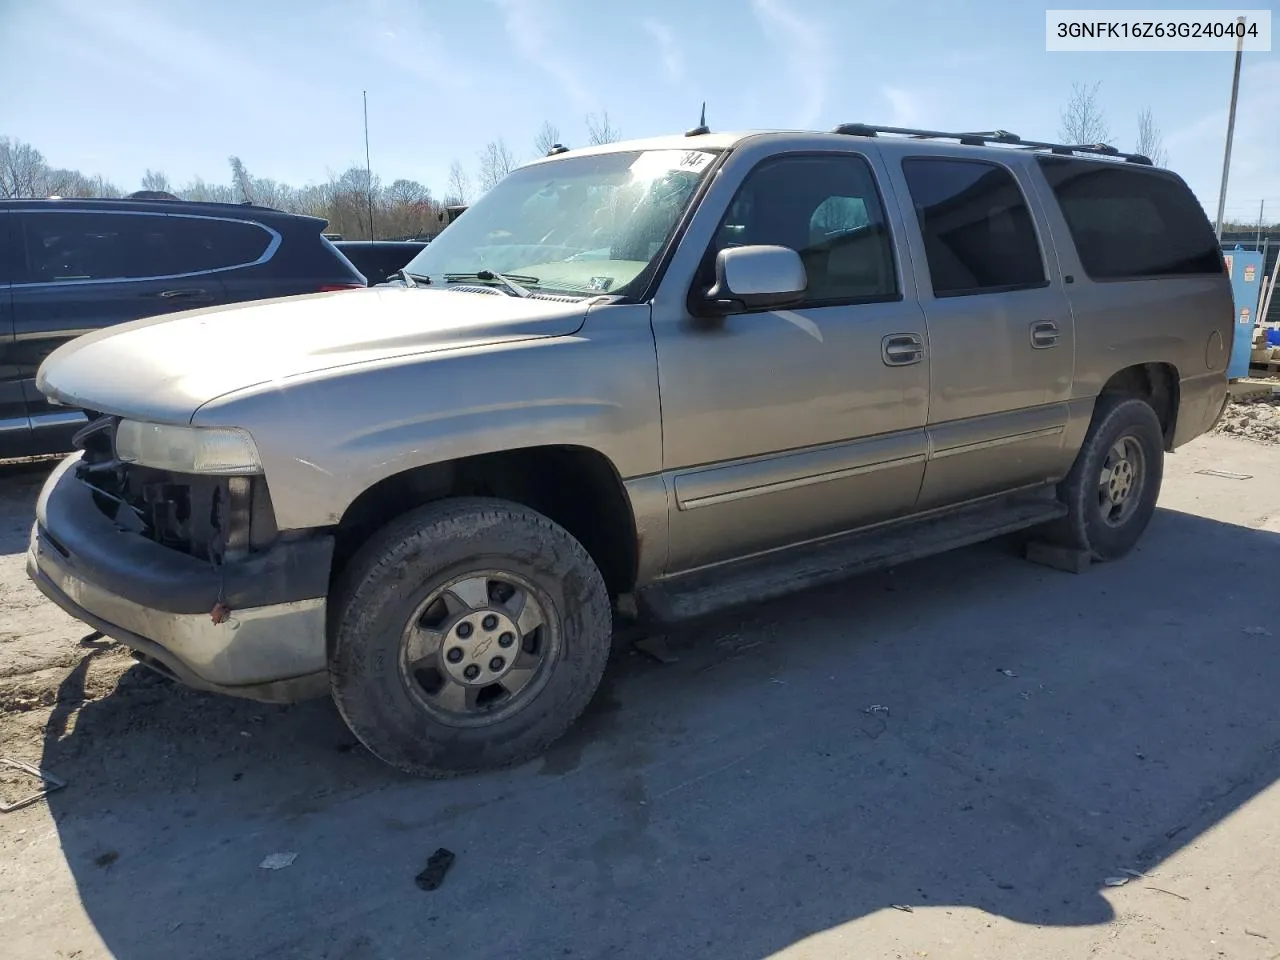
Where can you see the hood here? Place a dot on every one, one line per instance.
(165, 368)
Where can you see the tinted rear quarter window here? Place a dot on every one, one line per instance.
(63, 247)
(978, 233)
(1130, 222)
(210, 244)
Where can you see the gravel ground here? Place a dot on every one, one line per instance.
(38, 643)
(951, 759)
(1257, 418)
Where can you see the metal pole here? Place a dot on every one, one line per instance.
(1266, 301)
(368, 167)
(1231, 123)
(1257, 240)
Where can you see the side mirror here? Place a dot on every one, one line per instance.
(756, 277)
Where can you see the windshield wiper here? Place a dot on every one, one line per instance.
(410, 279)
(511, 281)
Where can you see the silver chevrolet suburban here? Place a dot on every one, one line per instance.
(663, 376)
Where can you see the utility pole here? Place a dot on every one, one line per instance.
(368, 167)
(1231, 122)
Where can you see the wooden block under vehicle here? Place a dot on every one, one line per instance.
(1059, 558)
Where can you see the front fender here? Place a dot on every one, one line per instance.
(326, 438)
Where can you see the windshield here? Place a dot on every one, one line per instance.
(582, 225)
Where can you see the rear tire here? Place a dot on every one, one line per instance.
(467, 635)
(1113, 486)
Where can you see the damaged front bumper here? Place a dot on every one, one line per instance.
(265, 640)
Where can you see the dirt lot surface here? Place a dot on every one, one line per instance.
(1256, 418)
(969, 756)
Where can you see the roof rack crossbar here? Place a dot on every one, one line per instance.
(982, 138)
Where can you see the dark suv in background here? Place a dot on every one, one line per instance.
(379, 260)
(68, 267)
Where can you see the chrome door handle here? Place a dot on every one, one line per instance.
(901, 349)
(1044, 334)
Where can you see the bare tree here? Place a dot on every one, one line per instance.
(548, 136)
(99, 186)
(22, 169)
(1150, 142)
(272, 193)
(1083, 120)
(241, 180)
(404, 209)
(600, 130)
(311, 200)
(197, 189)
(157, 181)
(459, 185)
(496, 161)
(407, 210)
(348, 198)
(65, 183)
(406, 192)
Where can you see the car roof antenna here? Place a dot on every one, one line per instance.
(702, 127)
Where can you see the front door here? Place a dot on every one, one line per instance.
(781, 426)
(1000, 328)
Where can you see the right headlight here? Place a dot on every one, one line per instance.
(220, 451)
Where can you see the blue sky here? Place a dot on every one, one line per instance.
(178, 85)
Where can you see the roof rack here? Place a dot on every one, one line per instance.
(980, 139)
(132, 199)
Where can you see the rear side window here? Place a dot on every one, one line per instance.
(1130, 223)
(978, 233)
(65, 247)
(207, 244)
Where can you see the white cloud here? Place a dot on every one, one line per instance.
(672, 56)
(525, 23)
(801, 43)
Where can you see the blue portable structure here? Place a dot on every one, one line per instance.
(1245, 269)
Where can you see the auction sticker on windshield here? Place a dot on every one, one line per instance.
(654, 163)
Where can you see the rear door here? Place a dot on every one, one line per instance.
(1001, 333)
(13, 409)
(82, 270)
(1150, 284)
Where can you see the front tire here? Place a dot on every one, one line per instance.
(467, 635)
(1113, 486)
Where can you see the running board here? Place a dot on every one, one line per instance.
(777, 574)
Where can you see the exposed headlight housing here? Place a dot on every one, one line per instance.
(218, 451)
